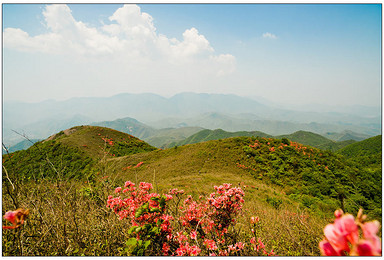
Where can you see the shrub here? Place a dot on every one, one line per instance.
(204, 227)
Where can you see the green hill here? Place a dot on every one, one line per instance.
(303, 137)
(346, 135)
(128, 125)
(370, 146)
(316, 140)
(73, 152)
(367, 152)
(208, 135)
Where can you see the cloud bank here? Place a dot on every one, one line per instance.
(131, 39)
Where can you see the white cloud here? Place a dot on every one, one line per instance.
(131, 37)
(269, 35)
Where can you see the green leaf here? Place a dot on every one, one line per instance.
(154, 210)
(147, 243)
(131, 230)
(155, 230)
(147, 226)
(138, 229)
(138, 213)
(131, 242)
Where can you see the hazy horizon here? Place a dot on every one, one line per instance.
(289, 54)
(259, 99)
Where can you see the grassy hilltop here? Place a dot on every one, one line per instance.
(65, 182)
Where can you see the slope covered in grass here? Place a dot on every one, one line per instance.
(73, 152)
(319, 180)
(292, 188)
(370, 146)
(208, 135)
(303, 137)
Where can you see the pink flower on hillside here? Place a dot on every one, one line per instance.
(239, 245)
(145, 186)
(371, 245)
(345, 232)
(254, 220)
(138, 165)
(118, 189)
(129, 184)
(210, 244)
(16, 217)
(165, 248)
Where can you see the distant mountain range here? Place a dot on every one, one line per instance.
(210, 111)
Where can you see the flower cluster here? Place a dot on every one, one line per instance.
(16, 217)
(201, 227)
(145, 210)
(345, 232)
(108, 140)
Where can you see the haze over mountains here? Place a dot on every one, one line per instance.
(210, 111)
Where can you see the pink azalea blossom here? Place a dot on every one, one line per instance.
(345, 232)
(16, 217)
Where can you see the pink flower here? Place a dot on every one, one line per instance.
(371, 245)
(16, 217)
(254, 220)
(239, 245)
(118, 189)
(193, 234)
(210, 244)
(165, 248)
(344, 230)
(129, 184)
(138, 165)
(366, 248)
(327, 249)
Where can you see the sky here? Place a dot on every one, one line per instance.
(288, 53)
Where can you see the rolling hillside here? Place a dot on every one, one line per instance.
(316, 140)
(75, 150)
(303, 137)
(345, 135)
(304, 171)
(128, 125)
(156, 137)
(208, 135)
(293, 188)
(370, 146)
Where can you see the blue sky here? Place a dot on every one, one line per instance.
(287, 53)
